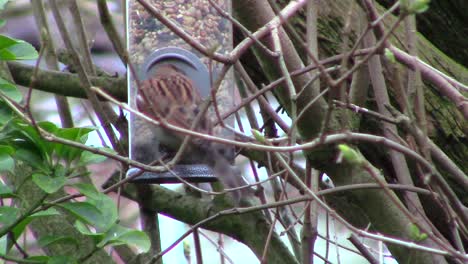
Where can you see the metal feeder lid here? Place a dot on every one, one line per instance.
(194, 68)
(196, 173)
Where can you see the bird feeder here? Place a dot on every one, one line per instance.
(152, 44)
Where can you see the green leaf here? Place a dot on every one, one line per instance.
(31, 147)
(389, 55)
(422, 237)
(119, 235)
(84, 211)
(8, 215)
(49, 240)
(62, 260)
(59, 171)
(6, 54)
(2, 22)
(48, 146)
(5, 191)
(187, 247)
(419, 6)
(108, 211)
(77, 134)
(258, 136)
(19, 228)
(414, 231)
(83, 229)
(4, 245)
(48, 212)
(21, 51)
(6, 150)
(7, 163)
(350, 155)
(28, 132)
(103, 203)
(47, 183)
(6, 42)
(10, 90)
(102, 213)
(415, 234)
(91, 158)
(3, 3)
(6, 113)
(32, 158)
(39, 259)
(88, 190)
(48, 126)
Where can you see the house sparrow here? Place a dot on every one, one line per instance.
(169, 96)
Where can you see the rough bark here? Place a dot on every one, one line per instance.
(445, 118)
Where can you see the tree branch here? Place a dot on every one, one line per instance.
(66, 84)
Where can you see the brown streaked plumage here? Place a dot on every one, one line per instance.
(170, 96)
